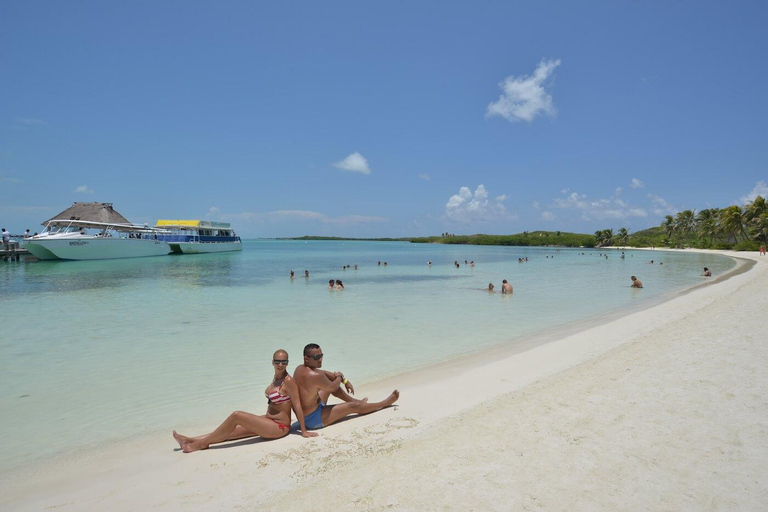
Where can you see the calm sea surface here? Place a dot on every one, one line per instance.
(98, 351)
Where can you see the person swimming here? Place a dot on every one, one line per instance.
(707, 272)
(330, 284)
(339, 285)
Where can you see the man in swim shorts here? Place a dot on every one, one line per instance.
(317, 385)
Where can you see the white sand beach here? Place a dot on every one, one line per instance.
(662, 409)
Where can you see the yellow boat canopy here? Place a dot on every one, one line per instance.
(205, 224)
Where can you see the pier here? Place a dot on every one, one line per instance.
(13, 253)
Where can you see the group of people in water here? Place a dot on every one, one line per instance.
(306, 393)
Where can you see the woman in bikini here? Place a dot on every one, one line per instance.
(282, 395)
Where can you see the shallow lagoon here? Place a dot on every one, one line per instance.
(97, 351)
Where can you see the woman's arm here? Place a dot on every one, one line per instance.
(293, 392)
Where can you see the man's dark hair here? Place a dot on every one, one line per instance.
(309, 347)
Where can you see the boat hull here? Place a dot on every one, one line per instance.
(104, 248)
(39, 251)
(206, 247)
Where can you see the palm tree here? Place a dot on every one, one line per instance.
(759, 227)
(755, 214)
(668, 226)
(707, 223)
(755, 208)
(685, 222)
(622, 237)
(733, 223)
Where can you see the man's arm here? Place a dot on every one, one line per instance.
(325, 381)
(345, 381)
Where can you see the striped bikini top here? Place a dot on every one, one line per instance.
(276, 398)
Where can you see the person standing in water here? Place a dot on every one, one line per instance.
(636, 283)
(506, 288)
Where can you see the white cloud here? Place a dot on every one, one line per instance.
(294, 215)
(548, 216)
(761, 189)
(321, 217)
(354, 163)
(524, 97)
(536, 205)
(611, 208)
(83, 189)
(25, 209)
(4, 179)
(468, 207)
(661, 206)
(636, 183)
(29, 121)
(424, 177)
(619, 190)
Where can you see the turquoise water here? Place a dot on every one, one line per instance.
(104, 350)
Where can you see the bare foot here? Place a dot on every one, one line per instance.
(182, 440)
(193, 446)
(392, 398)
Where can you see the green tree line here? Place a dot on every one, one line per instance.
(743, 228)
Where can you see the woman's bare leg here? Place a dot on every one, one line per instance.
(239, 433)
(238, 424)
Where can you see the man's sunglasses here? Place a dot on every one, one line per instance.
(316, 357)
(280, 361)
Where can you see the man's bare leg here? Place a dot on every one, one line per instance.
(333, 413)
(341, 394)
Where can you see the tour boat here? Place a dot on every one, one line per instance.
(199, 236)
(70, 239)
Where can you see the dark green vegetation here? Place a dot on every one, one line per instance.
(343, 238)
(531, 239)
(742, 228)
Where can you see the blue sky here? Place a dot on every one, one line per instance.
(383, 119)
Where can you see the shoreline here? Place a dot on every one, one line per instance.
(424, 400)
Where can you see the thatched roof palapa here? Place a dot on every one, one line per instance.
(92, 212)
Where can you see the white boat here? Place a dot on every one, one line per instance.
(199, 236)
(71, 239)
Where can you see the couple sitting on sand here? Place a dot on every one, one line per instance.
(307, 392)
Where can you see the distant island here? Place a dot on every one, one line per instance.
(533, 238)
(740, 228)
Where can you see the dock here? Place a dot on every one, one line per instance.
(13, 253)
